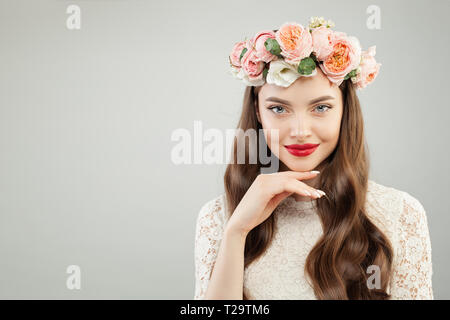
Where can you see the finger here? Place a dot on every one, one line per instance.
(315, 193)
(298, 187)
(302, 175)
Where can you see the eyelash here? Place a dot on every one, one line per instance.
(329, 108)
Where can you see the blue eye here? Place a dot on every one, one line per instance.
(323, 105)
(274, 107)
(322, 110)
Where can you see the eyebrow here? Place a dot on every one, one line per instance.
(322, 98)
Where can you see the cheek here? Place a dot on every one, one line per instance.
(273, 137)
(268, 122)
(273, 131)
(328, 131)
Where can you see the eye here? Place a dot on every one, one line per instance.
(323, 110)
(276, 108)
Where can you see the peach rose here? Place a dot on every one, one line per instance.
(261, 51)
(345, 57)
(295, 42)
(322, 45)
(369, 68)
(252, 67)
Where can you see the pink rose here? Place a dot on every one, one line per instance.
(345, 57)
(236, 53)
(322, 45)
(251, 65)
(261, 51)
(295, 42)
(369, 68)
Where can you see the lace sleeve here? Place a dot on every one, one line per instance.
(412, 265)
(208, 234)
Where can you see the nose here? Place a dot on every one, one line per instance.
(300, 128)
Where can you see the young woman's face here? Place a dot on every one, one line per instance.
(300, 118)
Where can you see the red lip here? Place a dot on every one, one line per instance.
(302, 146)
(301, 150)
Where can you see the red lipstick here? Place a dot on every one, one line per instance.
(301, 150)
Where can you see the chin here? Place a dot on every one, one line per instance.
(299, 167)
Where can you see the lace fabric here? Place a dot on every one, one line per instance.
(279, 272)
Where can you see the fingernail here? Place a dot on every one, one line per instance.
(318, 194)
(315, 171)
(323, 193)
(307, 192)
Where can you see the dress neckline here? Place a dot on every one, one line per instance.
(300, 205)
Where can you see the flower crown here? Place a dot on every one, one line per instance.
(281, 56)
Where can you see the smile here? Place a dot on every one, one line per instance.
(301, 150)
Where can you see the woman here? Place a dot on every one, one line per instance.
(331, 233)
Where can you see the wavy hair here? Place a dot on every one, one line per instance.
(350, 243)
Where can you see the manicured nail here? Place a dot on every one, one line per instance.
(307, 192)
(315, 171)
(323, 193)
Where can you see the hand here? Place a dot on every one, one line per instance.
(264, 195)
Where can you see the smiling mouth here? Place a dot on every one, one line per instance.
(302, 146)
(301, 150)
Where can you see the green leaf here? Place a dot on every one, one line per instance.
(306, 66)
(350, 74)
(273, 47)
(265, 72)
(242, 53)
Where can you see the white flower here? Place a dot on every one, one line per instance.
(355, 78)
(283, 74)
(315, 22)
(330, 24)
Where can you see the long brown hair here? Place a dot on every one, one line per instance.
(337, 264)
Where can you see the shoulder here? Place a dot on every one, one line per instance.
(391, 199)
(383, 194)
(212, 212)
(413, 217)
(383, 200)
(410, 203)
(390, 208)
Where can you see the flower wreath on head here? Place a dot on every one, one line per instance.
(282, 56)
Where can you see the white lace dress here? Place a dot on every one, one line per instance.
(278, 272)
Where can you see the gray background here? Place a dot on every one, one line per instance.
(86, 117)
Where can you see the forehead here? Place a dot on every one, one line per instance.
(302, 90)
